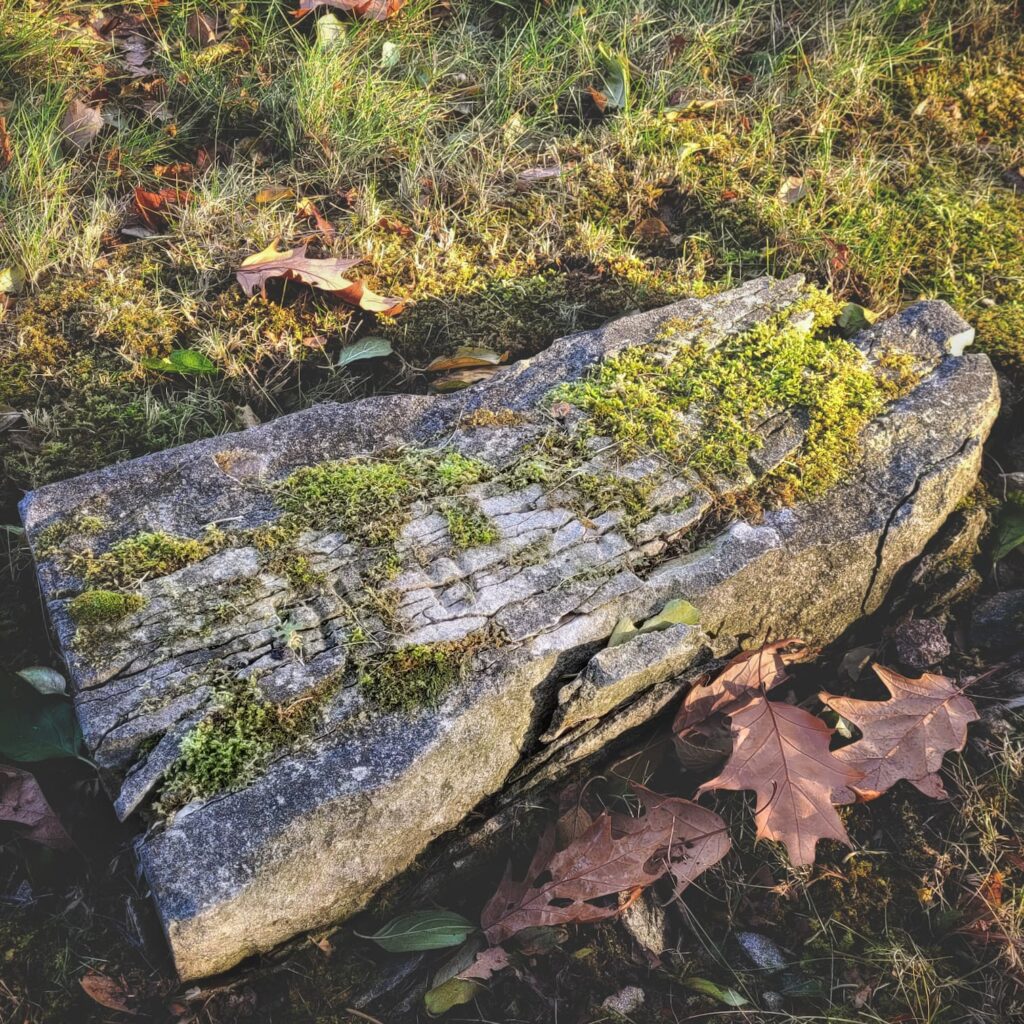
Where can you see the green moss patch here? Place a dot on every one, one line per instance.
(233, 745)
(417, 676)
(468, 527)
(94, 608)
(143, 556)
(701, 407)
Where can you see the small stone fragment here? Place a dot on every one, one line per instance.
(921, 643)
(626, 1001)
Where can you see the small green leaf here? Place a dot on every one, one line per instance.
(1009, 530)
(181, 360)
(330, 31)
(43, 680)
(422, 930)
(853, 319)
(12, 280)
(623, 632)
(364, 348)
(676, 612)
(729, 996)
(454, 992)
(615, 77)
(34, 727)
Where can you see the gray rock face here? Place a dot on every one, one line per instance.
(352, 800)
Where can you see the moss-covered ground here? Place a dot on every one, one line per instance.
(421, 141)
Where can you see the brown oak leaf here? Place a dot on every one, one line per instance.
(750, 671)
(907, 736)
(325, 274)
(106, 991)
(781, 753)
(6, 150)
(23, 804)
(81, 124)
(615, 854)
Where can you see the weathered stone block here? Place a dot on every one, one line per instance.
(306, 675)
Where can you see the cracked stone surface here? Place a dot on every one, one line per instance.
(351, 805)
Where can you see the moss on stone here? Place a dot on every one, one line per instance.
(51, 537)
(417, 676)
(94, 608)
(702, 405)
(368, 499)
(468, 527)
(493, 418)
(298, 571)
(236, 741)
(597, 493)
(144, 556)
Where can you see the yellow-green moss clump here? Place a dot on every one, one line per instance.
(468, 527)
(236, 741)
(416, 676)
(94, 608)
(701, 407)
(370, 498)
(144, 556)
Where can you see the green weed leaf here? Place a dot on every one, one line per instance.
(615, 77)
(729, 996)
(676, 612)
(43, 680)
(34, 726)
(364, 348)
(422, 930)
(181, 360)
(1009, 530)
(454, 992)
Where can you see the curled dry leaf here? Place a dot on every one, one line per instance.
(792, 190)
(325, 274)
(907, 736)
(466, 357)
(485, 964)
(307, 208)
(152, 206)
(372, 10)
(535, 175)
(204, 28)
(105, 991)
(460, 379)
(81, 124)
(23, 804)
(782, 753)
(750, 671)
(6, 151)
(617, 853)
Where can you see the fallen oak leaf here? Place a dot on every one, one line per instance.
(615, 854)
(485, 964)
(782, 753)
(105, 991)
(81, 123)
(907, 736)
(324, 274)
(761, 669)
(204, 28)
(23, 804)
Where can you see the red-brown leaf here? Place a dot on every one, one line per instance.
(747, 673)
(23, 804)
(616, 853)
(373, 10)
(905, 737)
(781, 753)
(105, 991)
(152, 206)
(6, 152)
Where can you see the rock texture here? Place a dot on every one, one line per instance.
(351, 803)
